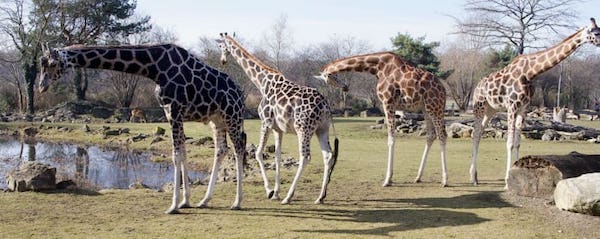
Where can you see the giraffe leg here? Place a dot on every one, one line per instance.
(185, 203)
(239, 140)
(511, 119)
(513, 153)
(264, 136)
(278, 138)
(430, 139)
(220, 140)
(178, 160)
(328, 163)
(483, 114)
(440, 131)
(389, 114)
(304, 149)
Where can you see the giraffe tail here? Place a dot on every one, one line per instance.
(334, 155)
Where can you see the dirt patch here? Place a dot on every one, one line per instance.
(586, 226)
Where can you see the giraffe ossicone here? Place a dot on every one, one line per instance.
(400, 86)
(186, 88)
(285, 107)
(511, 88)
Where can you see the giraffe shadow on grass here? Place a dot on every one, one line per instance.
(384, 217)
(487, 199)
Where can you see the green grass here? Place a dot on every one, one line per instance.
(356, 205)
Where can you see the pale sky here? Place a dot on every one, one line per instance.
(316, 21)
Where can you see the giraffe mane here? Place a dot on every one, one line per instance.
(551, 47)
(82, 46)
(395, 57)
(252, 57)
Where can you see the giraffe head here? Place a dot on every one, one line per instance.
(52, 67)
(331, 80)
(224, 46)
(593, 33)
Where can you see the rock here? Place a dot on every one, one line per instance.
(458, 130)
(65, 184)
(580, 194)
(30, 131)
(86, 128)
(157, 139)
(380, 121)
(550, 135)
(270, 148)
(33, 176)
(140, 137)
(101, 112)
(138, 185)
(378, 126)
(112, 132)
(159, 131)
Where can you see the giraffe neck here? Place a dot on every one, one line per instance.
(258, 72)
(370, 63)
(139, 60)
(542, 61)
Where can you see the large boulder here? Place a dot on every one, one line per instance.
(32, 176)
(580, 194)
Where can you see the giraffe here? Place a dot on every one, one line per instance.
(510, 89)
(400, 86)
(285, 107)
(186, 88)
(137, 114)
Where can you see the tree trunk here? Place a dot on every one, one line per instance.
(30, 72)
(537, 175)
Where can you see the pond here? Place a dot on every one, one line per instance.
(90, 167)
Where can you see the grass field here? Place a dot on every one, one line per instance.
(356, 206)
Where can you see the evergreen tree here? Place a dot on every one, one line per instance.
(416, 51)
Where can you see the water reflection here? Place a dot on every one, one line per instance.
(88, 166)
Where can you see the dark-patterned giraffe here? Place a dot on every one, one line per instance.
(400, 86)
(187, 90)
(285, 107)
(510, 89)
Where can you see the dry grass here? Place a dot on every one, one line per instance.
(356, 206)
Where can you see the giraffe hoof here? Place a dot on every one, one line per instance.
(236, 207)
(184, 205)
(275, 196)
(418, 180)
(387, 184)
(270, 194)
(444, 185)
(172, 211)
(285, 201)
(203, 205)
(319, 201)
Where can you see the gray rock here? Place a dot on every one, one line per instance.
(159, 131)
(580, 194)
(33, 176)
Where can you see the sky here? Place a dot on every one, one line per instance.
(316, 21)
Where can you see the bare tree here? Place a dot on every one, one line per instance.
(11, 74)
(278, 42)
(464, 56)
(25, 24)
(361, 86)
(522, 23)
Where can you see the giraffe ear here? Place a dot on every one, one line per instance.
(593, 23)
